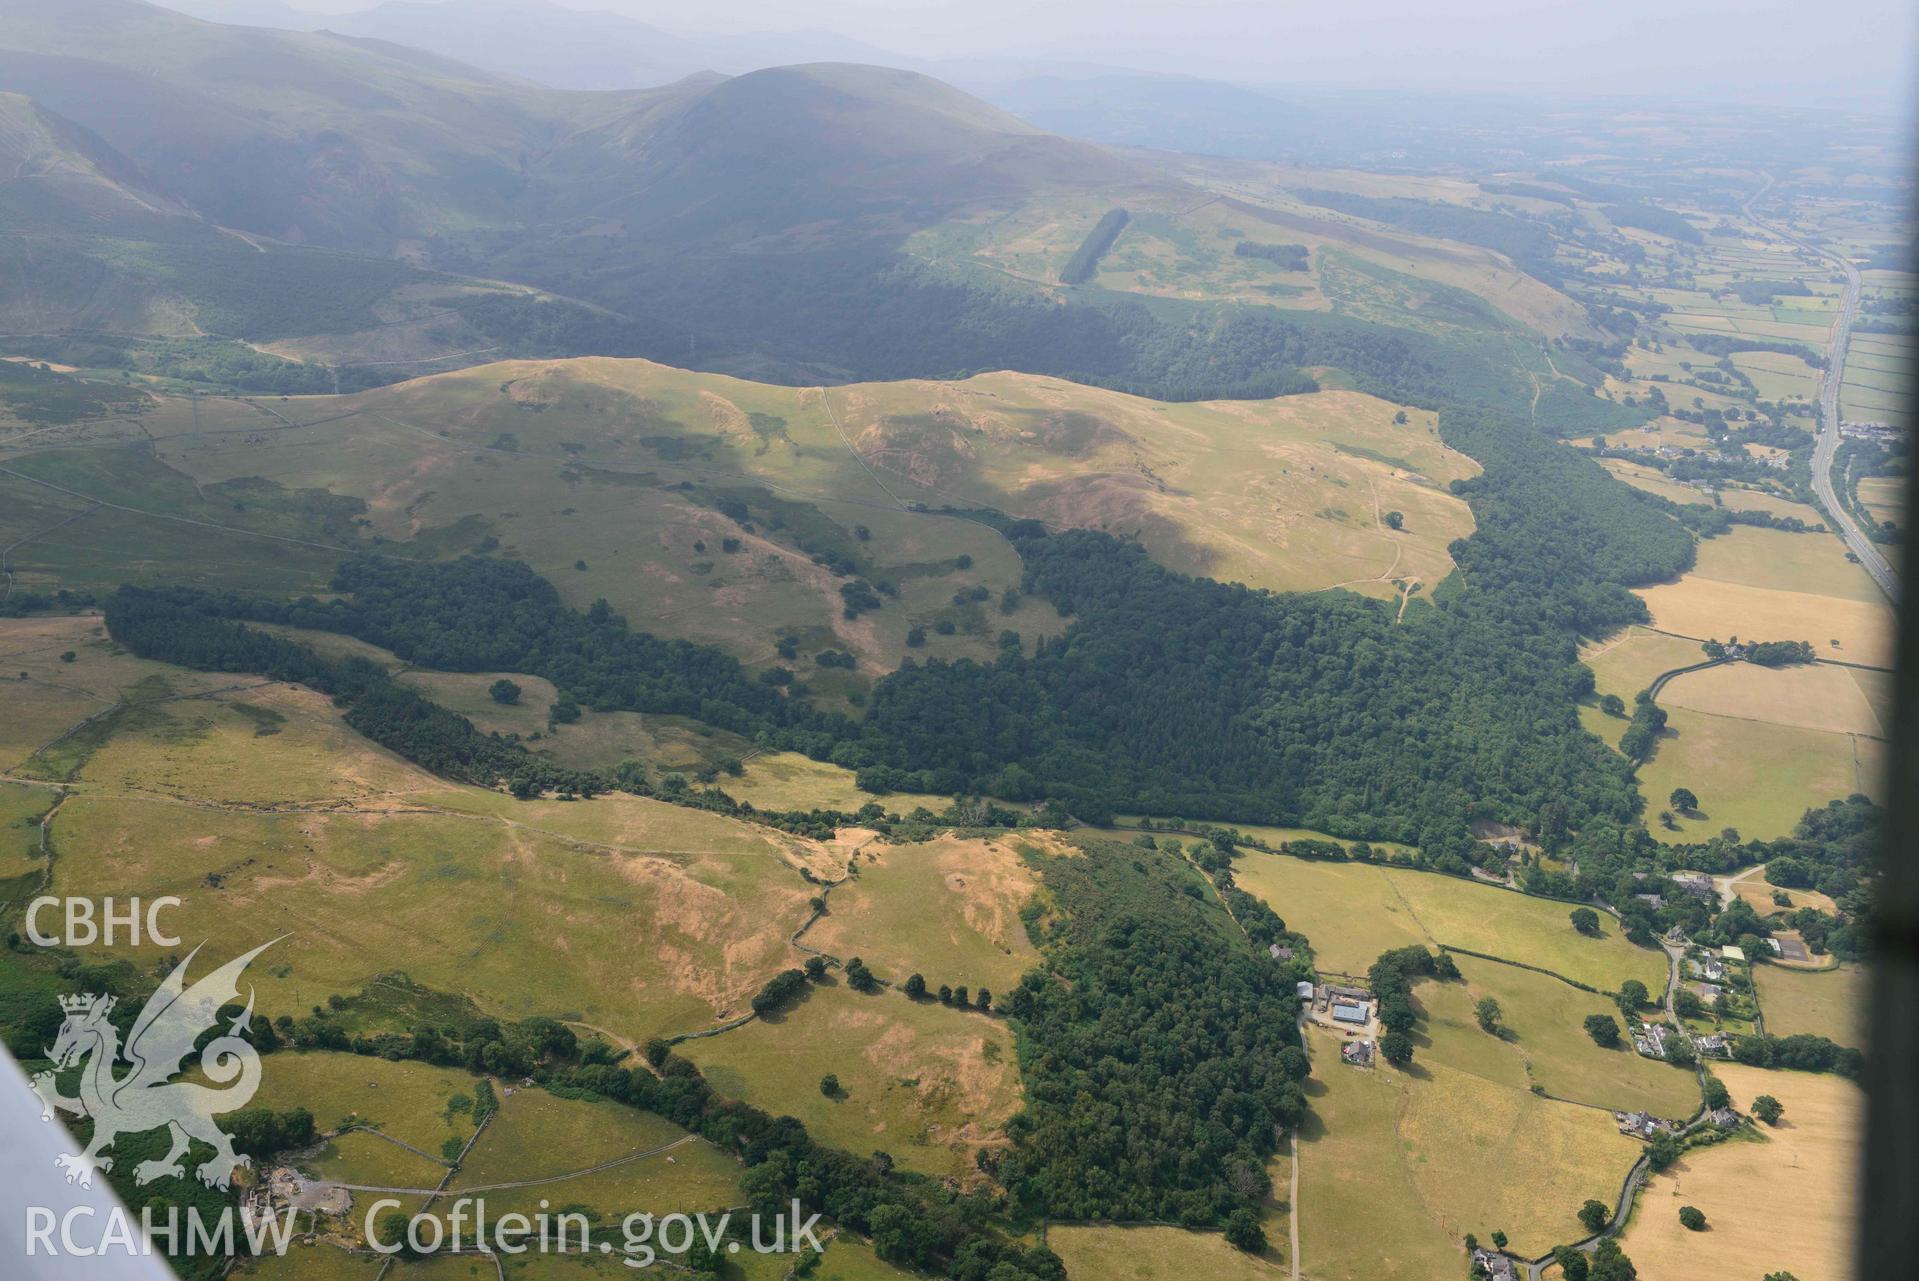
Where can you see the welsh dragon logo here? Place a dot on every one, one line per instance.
(143, 1099)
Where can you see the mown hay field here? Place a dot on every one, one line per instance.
(1818, 696)
(1629, 661)
(1354, 911)
(1831, 1003)
(1758, 778)
(1762, 584)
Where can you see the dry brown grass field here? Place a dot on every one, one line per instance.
(947, 909)
(1757, 891)
(1884, 497)
(1781, 1204)
(929, 1084)
(1287, 494)
(1160, 1254)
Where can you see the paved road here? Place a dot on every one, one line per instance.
(1828, 443)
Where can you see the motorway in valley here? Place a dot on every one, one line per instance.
(1827, 444)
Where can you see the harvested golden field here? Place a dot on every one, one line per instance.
(1780, 561)
(1877, 686)
(947, 909)
(1704, 607)
(1782, 1203)
(1819, 696)
(1884, 498)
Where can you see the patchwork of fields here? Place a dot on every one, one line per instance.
(1758, 746)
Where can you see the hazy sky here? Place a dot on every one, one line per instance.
(1754, 49)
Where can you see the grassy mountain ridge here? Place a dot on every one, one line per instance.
(808, 224)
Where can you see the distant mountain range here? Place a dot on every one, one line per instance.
(699, 214)
(553, 45)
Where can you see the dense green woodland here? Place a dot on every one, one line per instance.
(1084, 264)
(1185, 696)
(1161, 1056)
